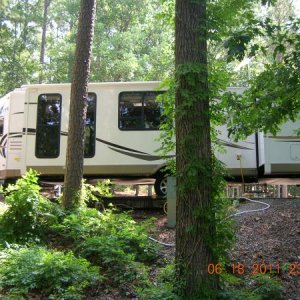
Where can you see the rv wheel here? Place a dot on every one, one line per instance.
(160, 185)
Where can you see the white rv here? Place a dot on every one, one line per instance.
(262, 155)
(121, 135)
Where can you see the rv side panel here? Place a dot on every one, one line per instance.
(11, 118)
(282, 152)
(117, 152)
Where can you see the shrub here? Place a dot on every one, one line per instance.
(132, 237)
(163, 288)
(80, 224)
(254, 287)
(29, 213)
(114, 241)
(268, 287)
(120, 266)
(51, 274)
(93, 193)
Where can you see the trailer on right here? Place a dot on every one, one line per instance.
(262, 155)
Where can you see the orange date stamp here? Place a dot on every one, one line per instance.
(292, 269)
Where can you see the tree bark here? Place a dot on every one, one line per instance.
(195, 228)
(78, 105)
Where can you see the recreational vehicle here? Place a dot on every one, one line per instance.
(121, 135)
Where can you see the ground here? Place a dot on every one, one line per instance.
(270, 237)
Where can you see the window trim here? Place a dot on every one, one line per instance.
(37, 123)
(119, 117)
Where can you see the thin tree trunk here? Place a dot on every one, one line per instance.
(78, 104)
(195, 219)
(43, 42)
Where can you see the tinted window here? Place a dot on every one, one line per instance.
(90, 127)
(48, 126)
(139, 111)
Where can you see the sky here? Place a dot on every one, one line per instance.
(297, 5)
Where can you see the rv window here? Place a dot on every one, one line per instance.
(90, 127)
(48, 126)
(139, 111)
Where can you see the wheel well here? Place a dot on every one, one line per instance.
(162, 172)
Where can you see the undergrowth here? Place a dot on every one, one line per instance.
(48, 273)
(108, 241)
(163, 287)
(111, 240)
(101, 251)
(29, 214)
(251, 287)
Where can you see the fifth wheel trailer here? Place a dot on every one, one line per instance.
(121, 135)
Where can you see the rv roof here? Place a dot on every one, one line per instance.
(94, 84)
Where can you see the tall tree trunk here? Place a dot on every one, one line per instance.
(43, 42)
(78, 104)
(195, 220)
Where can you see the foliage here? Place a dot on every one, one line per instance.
(19, 24)
(29, 213)
(267, 287)
(274, 95)
(275, 88)
(86, 223)
(163, 288)
(114, 241)
(254, 287)
(92, 193)
(167, 126)
(294, 191)
(116, 259)
(130, 43)
(51, 274)
(111, 240)
(222, 207)
(80, 224)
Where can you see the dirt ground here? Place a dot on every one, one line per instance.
(269, 238)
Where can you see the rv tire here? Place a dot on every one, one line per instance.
(160, 185)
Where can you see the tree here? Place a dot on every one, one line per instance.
(131, 42)
(18, 42)
(78, 105)
(195, 228)
(273, 96)
(61, 40)
(43, 42)
(195, 236)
